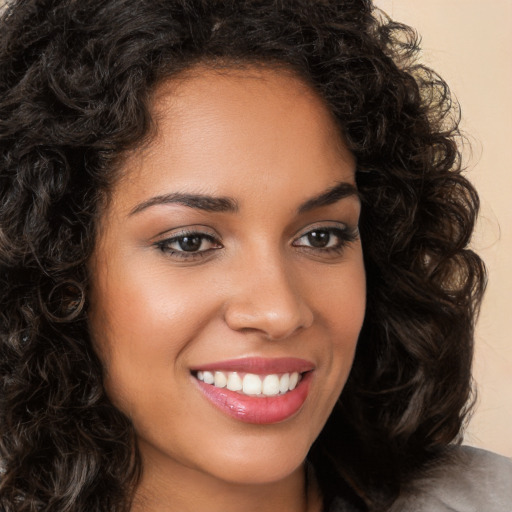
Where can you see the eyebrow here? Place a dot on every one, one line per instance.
(227, 204)
(197, 201)
(330, 196)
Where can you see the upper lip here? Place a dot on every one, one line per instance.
(259, 365)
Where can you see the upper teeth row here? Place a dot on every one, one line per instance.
(251, 384)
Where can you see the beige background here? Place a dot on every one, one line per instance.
(469, 42)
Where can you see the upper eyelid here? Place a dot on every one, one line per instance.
(346, 232)
(164, 245)
(182, 234)
(322, 225)
(178, 232)
(174, 238)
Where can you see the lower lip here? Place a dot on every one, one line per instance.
(258, 410)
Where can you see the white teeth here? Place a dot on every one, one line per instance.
(284, 382)
(208, 377)
(220, 380)
(234, 382)
(251, 384)
(270, 386)
(294, 379)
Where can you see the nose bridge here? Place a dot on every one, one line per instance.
(265, 298)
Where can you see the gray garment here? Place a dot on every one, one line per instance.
(469, 480)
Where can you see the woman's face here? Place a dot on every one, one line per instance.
(230, 251)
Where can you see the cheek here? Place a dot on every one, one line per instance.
(142, 321)
(340, 301)
(344, 315)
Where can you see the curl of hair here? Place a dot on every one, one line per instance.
(76, 79)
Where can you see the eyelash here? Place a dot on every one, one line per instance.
(165, 245)
(344, 235)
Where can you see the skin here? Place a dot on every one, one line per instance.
(262, 138)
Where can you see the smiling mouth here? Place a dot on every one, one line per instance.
(255, 389)
(251, 384)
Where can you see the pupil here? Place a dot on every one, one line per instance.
(190, 243)
(318, 238)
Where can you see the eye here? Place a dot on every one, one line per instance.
(327, 239)
(191, 244)
(320, 238)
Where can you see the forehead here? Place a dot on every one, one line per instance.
(231, 88)
(237, 128)
(236, 102)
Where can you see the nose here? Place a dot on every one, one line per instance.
(265, 298)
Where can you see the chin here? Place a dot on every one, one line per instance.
(266, 461)
(260, 471)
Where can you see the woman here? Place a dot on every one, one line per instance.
(234, 262)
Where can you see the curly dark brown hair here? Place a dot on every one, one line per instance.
(76, 79)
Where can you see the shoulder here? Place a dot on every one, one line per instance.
(465, 480)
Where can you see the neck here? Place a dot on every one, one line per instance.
(189, 490)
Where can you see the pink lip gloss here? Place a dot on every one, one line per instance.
(258, 409)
